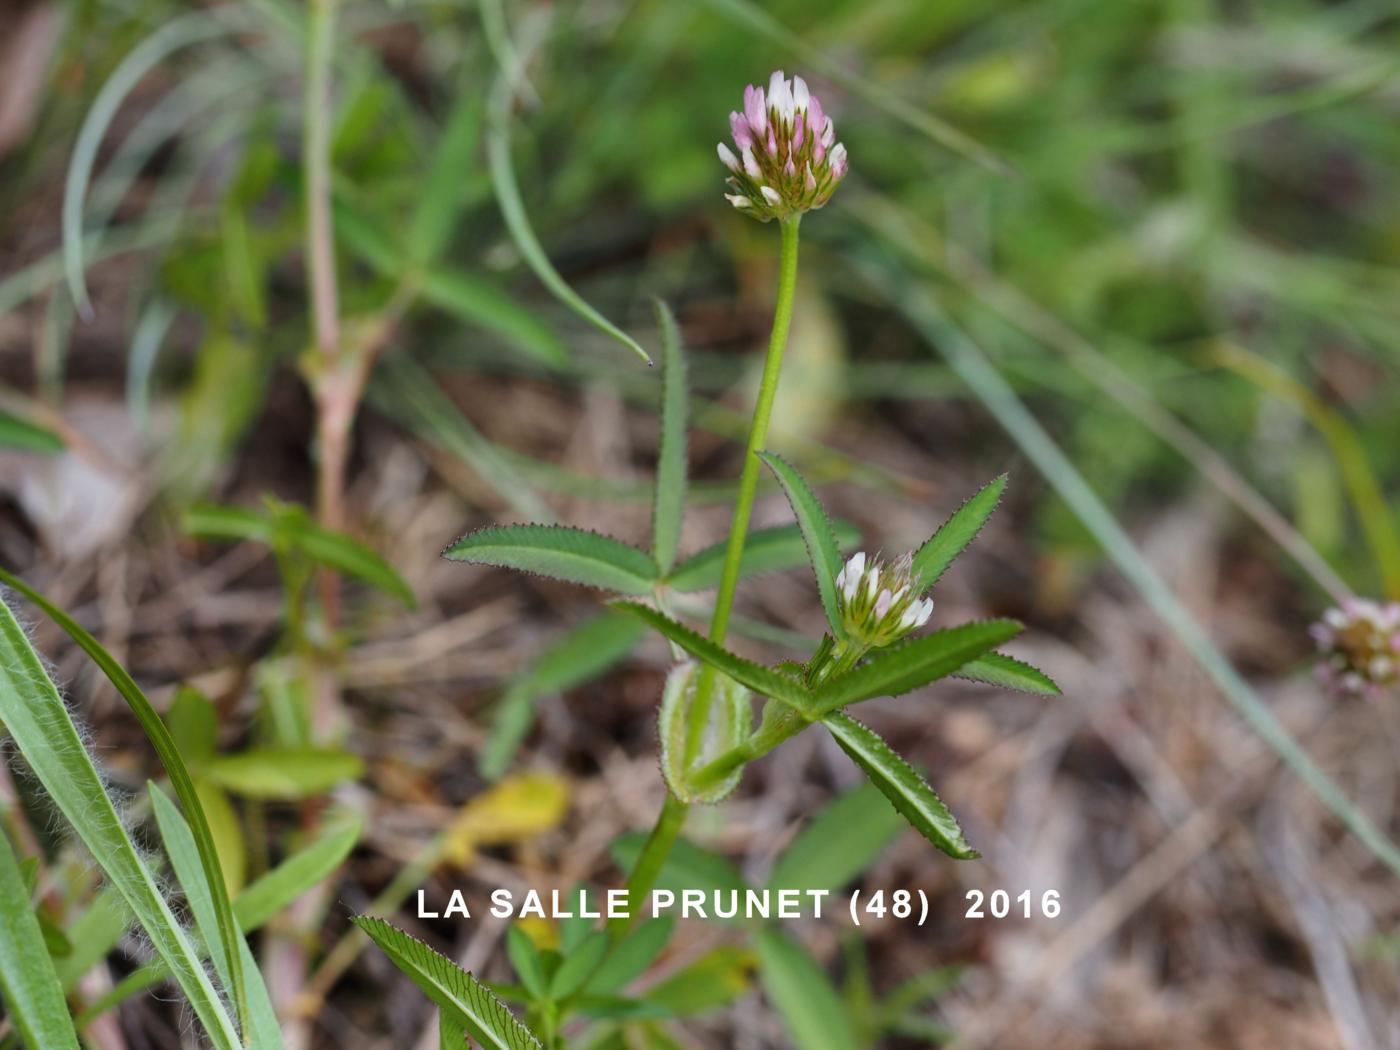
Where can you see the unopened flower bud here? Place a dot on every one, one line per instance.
(797, 163)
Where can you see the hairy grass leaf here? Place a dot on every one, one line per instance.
(582, 654)
(668, 500)
(816, 531)
(955, 534)
(471, 1004)
(1009, 673)
(760, 679)
(562, 553)
(771, 549)
(263, 1031)
(910, 664)
(899, 782)
(29, 986)
(41, 728)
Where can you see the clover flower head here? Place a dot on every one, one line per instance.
(788, 160)
(1359, 643)
(878, 602)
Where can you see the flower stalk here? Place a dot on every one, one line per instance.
(788, 163)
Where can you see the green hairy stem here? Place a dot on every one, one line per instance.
(672, 817)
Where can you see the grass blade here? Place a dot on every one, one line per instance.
(562, 553)
(1009, 673)
(433, 220)
(16, 432)
(967, 359)
(816, 529)
(485, 1017)
(28, 984)
(518, 221)
(184, 860)
(171, 37)
(1377, 523)
(901, 783)
(955, 534)
(668, 499)
(32, 710)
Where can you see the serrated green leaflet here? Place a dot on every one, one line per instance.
(1010, 673)
(899, 782)
(816, 532)
(955, 534)
(561, 553)
(28, 984)
(770, 549)
(798, 989)
(908, 665)
(760, 679)
(485, 1018)
(668, 498)
(41, 728)
(582, 654)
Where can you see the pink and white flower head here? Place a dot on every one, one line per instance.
(878, 602)
(786, 158)
(1359, 644)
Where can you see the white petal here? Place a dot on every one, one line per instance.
(883, 603)
(738, 200)
(727, 158)
(750, 164)
(872, 582)
(799, 93)
(770, 195)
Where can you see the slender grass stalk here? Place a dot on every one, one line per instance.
(673, 812)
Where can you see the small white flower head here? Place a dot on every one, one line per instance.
(1359, 646)
(791, 159)
(878, 602)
